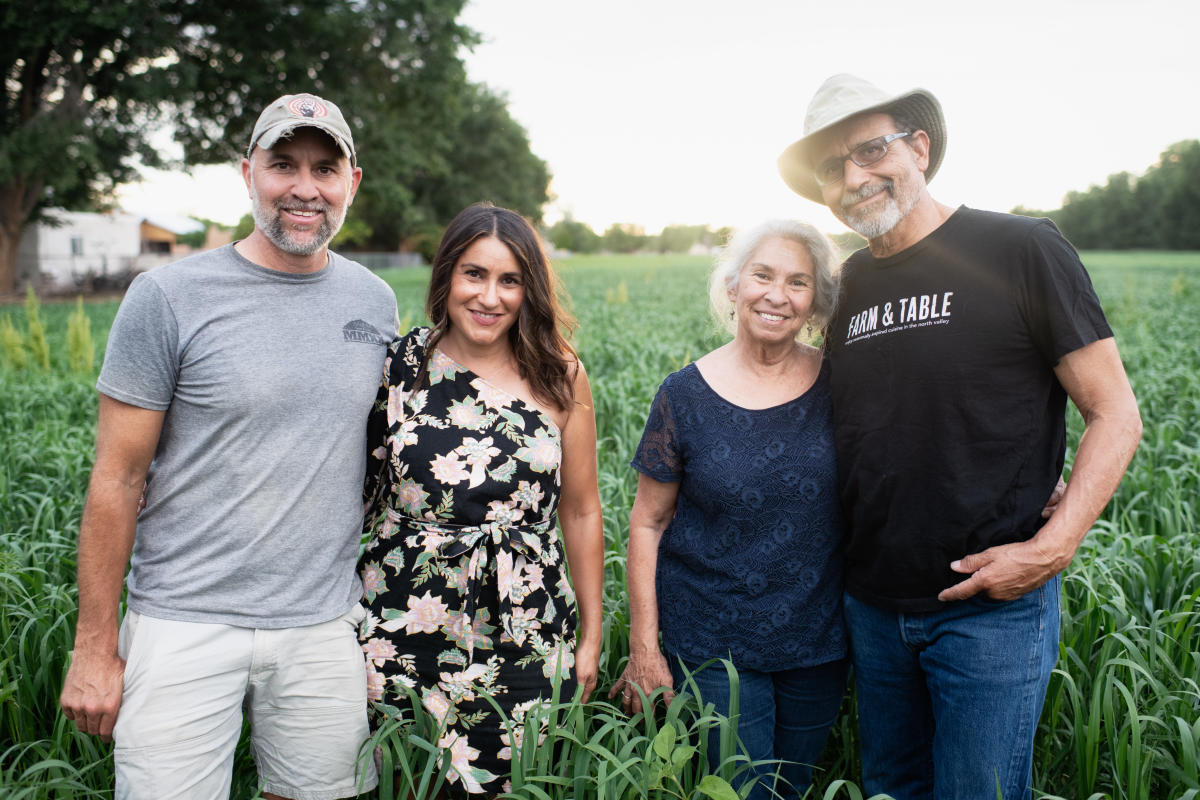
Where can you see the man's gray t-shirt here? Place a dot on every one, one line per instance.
(254, 500)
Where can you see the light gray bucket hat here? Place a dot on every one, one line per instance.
(844, 96)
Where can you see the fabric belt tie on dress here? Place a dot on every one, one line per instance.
(483, 543)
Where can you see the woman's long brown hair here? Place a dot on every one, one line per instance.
(544, 357)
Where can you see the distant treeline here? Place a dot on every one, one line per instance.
(578, 237)
(623, 237)
(1160, 210)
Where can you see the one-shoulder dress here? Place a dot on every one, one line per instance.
(464, 574)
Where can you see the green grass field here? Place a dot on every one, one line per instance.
(1122, 717)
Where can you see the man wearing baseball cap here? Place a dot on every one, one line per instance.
(235, 389)
(958, 338)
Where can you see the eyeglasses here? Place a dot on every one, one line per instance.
(872, 151)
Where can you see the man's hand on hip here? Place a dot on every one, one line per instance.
(1004, 572)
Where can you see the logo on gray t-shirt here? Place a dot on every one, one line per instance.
(357, 330)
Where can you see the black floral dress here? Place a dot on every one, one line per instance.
(464, 578)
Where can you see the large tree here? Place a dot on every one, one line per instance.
(428, 155)
(1175, 184)
(1157, 210)
(88, 81)
(572, 235)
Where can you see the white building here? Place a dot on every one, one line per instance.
(75, 249)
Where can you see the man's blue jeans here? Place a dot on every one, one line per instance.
(784, 715)
(948, 701)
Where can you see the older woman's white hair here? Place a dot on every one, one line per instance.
(734, 256)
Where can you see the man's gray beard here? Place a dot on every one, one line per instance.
(269, 221)
(872, 224)
(879, 223)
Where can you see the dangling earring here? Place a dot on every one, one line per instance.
(810, 329)
(732, 312)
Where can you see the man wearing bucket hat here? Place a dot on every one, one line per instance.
(959, 335)
(235, 390)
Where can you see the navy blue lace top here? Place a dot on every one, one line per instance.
(750, 567)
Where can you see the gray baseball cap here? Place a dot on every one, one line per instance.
(301, 111)
(844, 96)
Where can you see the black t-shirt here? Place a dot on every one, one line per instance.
(949, 420)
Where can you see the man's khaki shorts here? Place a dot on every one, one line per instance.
(187, 683)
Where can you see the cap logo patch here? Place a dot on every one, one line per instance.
(307, 106)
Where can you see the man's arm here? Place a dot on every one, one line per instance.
(1096, 382)
(126, 439)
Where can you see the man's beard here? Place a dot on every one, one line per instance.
(270, 222)
(872, 223)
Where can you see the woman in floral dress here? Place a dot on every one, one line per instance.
(482, 436)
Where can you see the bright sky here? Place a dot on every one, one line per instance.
(673, 111)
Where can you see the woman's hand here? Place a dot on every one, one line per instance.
(653, 508)
(1055, 497)
(587, 666)
(648, 672)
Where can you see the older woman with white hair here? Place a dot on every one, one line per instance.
(735, 532)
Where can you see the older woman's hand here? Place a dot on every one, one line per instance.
(647, 671)
(1055, 497)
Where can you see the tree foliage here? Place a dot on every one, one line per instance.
(89, 81)
(430, 156)
(681, 238)
(197, 238)
(244, 227)
(624, 237)
(574, 236)
(578, 237)
(1159, 210)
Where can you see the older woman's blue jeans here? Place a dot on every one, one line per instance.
(783, 717)
(949, 701)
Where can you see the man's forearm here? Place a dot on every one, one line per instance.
(105, 543)
(1095, 380)
(1105, 450)
(93, 688)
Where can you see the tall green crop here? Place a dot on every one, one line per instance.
(12, 344)
(39, 348)
(81, 350)
(1122, 716)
